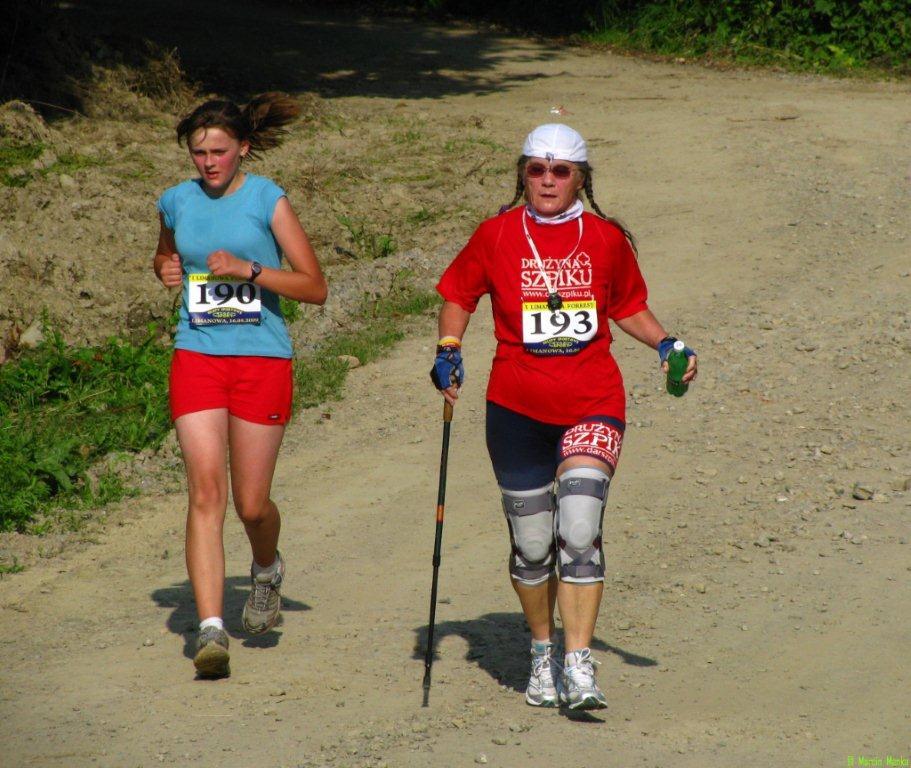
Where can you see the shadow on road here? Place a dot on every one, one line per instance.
(242, 48)
(499, 642)
(184, 622)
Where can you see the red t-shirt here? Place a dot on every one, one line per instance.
(555, 367)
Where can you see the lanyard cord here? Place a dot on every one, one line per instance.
(551, 290)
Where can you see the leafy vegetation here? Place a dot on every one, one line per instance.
(14, 157)
(366, 243)
(291, 310)
(831, 35)
(14, 567)
(410, 136)
(18, 163)
(834, 35)
(423, 216)
(62, 409)
(319, 377)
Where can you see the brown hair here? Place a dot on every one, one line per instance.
(587, 171)
(260, 122)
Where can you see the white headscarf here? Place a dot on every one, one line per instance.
(555, 141)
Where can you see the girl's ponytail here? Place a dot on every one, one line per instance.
(261, 122)
(266, 116)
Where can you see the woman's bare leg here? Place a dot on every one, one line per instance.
(538, 606)
(579, 603)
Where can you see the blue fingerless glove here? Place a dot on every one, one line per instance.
(447, 368)
(666, 345)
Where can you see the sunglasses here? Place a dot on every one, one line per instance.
(537, 171)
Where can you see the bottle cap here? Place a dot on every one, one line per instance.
(679, 346)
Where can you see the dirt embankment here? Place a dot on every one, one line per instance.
(756, 603)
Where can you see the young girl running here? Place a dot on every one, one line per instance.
(222, 237)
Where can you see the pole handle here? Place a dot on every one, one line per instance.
(447, 411)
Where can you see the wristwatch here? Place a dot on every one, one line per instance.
(255, 269)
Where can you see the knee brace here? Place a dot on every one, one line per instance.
(530, 517)
(581, 496)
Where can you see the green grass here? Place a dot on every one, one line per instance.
(13, 567)
(62, 409)
(19, 157)
(461, 145)
(291, 310)
(410, 136)
(415, 178)
(136, 167)
(320, 376)
(424, 217)
(870, 38)
(12, 154)
(832, 36)
(367, 244)
(70, 162)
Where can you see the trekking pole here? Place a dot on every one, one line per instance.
(437, 543)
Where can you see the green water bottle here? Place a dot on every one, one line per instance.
(676, 367)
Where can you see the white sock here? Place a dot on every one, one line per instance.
(541, 647)
(268, 570)
(572, 657)
(212, 621)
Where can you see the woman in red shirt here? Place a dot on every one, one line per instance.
(555, 399)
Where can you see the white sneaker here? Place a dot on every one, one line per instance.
(264, 602)
(542, 688)
(579, 689)
(211, 659)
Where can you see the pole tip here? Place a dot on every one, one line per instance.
(426, 700)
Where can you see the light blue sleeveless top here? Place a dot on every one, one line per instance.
(239, 223)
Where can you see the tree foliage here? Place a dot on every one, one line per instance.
(827, 33)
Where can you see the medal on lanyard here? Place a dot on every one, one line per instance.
(554, 299)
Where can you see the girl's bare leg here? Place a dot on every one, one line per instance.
(254, 451)
(203, 438)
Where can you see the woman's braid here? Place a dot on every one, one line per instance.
(589, 193)
(520, 190)
(587, 188)
(520, 184)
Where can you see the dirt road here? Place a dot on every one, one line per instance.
(756, 613)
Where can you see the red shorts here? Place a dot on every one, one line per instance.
(256, 389)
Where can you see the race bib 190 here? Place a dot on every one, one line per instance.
(564, 332)
(221, 299)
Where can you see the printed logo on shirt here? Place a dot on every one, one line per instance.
(565, 275)
(569, 329)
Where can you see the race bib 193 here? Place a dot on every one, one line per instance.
(564, 332)
(221, 300)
